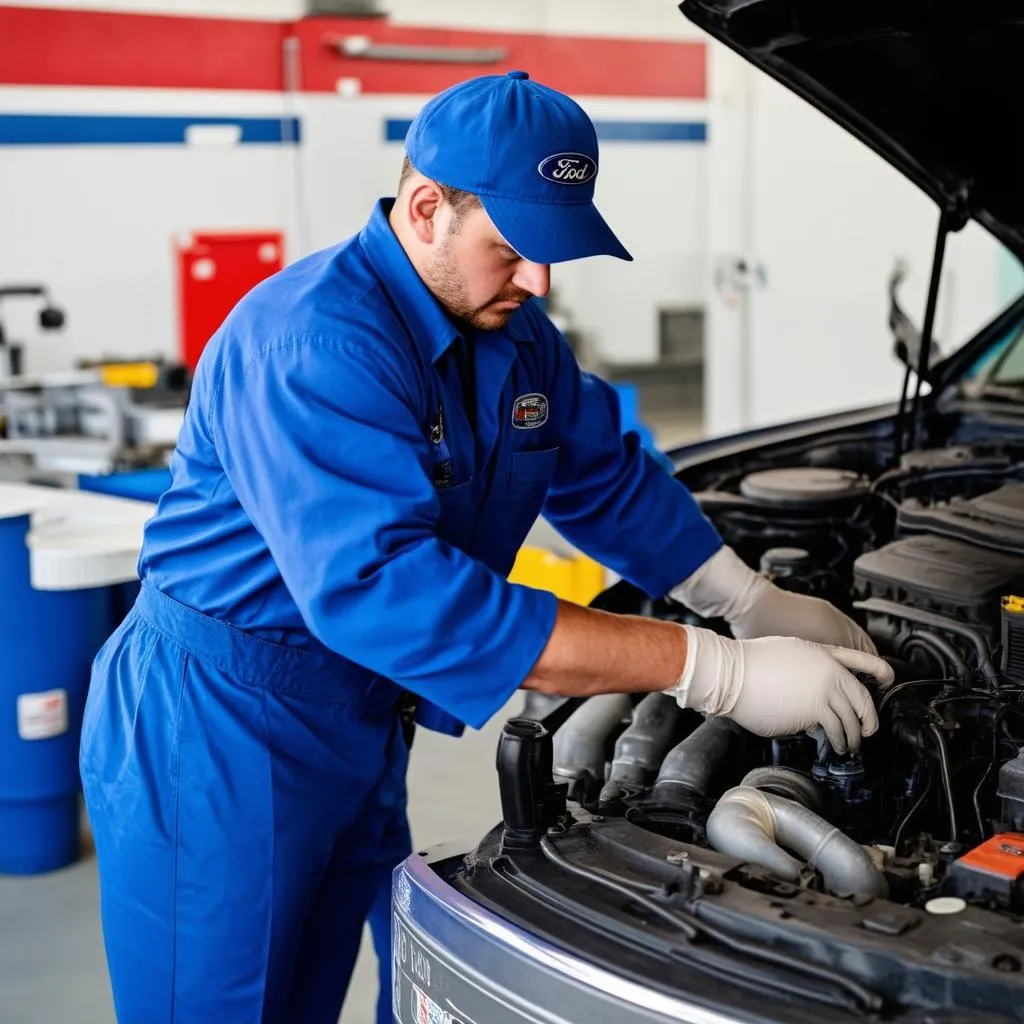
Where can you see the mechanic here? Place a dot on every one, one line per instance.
(370, 436)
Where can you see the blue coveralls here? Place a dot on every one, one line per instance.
(337, 533)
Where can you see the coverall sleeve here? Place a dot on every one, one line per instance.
(609, 497)
(321, 442)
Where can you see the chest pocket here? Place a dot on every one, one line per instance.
(515, 505)
(530, 472)
(459, 512)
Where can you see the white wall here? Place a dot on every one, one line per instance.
(654, 18)
(97, 224)
(109, 260)
(657, 19)
(827, 219)
(276, 10)
(776, 184)
(654, 197)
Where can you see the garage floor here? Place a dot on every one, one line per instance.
(52, 967)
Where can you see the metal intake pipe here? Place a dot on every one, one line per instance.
(754, 826)
(689, 766)
(581, 744)
(787, 782)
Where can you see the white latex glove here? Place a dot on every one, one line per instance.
(779, 686)
(726, 587)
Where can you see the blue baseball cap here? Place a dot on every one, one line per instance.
(529, 153)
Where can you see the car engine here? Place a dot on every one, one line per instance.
(687, 852)
(930, 558)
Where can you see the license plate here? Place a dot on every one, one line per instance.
(420, 984)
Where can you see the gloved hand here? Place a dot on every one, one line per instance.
(726, 587)
(779, 686)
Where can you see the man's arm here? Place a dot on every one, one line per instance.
(617, 504)
(322, 444)
(612, 500)
(608, 496)
(592, 652)
(776, 686)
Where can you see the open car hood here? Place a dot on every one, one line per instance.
(928, 84)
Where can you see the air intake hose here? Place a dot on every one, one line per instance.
(581, 744)
(689, 766)
(642, 747)
(754, 826)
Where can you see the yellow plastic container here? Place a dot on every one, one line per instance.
(130, 375)
(578, 579)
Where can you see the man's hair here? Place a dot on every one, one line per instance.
(461, 202)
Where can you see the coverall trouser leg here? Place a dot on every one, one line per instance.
(246, 811)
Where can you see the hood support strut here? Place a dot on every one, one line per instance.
(952, 218)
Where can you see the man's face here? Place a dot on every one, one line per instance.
(476, 275)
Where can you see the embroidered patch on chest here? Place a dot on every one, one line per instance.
(529, 411)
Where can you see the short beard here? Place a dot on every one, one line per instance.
(443, 278)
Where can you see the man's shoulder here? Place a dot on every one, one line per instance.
(328, 301)
(335, 287)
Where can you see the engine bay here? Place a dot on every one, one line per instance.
(929, 557)
(914, 844)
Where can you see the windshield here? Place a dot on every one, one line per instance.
(1008, 369)
(998, 371)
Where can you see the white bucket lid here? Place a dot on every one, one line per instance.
(77, 539)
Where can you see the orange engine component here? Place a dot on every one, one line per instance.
(991, 872)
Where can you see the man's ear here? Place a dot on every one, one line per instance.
(424, 202)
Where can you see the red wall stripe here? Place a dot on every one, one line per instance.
(41, 46)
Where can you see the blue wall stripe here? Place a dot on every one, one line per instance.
(651, 131)
(112, 130)
(103, 130)
(607, 131)
(395, 129)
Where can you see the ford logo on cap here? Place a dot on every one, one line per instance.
(568, 168)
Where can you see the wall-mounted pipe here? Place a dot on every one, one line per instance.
(690, 765)
(754, 826)
(581, 744)
(365, 48)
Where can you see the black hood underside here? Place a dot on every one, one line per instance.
(933, 86)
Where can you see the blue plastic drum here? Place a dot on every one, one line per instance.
(140, 484)
(47, 642)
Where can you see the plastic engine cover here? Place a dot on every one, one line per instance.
(802, 486)
(994, 520)
(940, 575)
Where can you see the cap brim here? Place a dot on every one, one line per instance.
(553, 233)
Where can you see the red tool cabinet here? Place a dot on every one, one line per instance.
(214, 271)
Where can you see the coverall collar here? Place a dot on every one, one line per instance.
(430, 326)
(433, 331)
